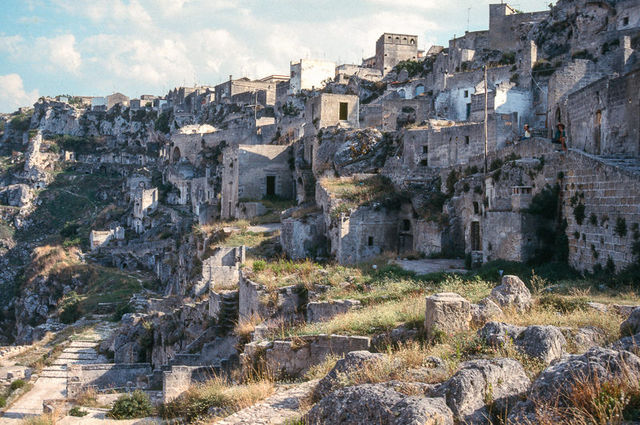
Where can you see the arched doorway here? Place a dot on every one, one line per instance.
(176, 154)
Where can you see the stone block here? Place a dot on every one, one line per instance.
(447, 312)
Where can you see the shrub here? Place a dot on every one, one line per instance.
(131, 406)
(70, 308)
(77, 412)
(621, 227)
(578, 213)
(3, 401)
(259, 265)
(18, 383)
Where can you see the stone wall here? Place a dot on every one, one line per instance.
(257, 163)
(601, 116)
(178, 379)
(106, 377)
(303, 237)
(319, 311)
(294, 358)
(394, 48)
(503, 25)
(256, 300)
(611, 199)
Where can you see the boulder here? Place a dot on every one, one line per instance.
(584, 338)
(351, 362)
(378, 404)
(499, 382)
(512, 293)
(628, 343)
(622, 310)
(555, 385)
(542, 342)
(448, 313)
(485, 311)
(631, 326)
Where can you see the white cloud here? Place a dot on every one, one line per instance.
(13, 94)
(410, 4)
(12, 45)
(60, 52)
(111, 12)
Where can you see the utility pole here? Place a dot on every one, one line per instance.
(486, 115)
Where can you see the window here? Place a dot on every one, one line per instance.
(425, 149)
(344, 111)
(466, 139)
(413, 41)
(370, 241)
(476, 208)
(466, 93)
(424, 162)
(406, 225)
(625, 21)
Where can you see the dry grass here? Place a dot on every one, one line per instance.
(320, 370)
(245, 327)
(45, 419)
(47, 260)
(194, 404)
(592, 401)
(87, 398)
(372, 320)
(355, 191)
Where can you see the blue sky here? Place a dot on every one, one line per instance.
(97, 47)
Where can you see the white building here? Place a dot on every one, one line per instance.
(307, 74)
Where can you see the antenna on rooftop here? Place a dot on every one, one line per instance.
(468, 17)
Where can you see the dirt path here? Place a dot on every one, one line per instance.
(275, 410)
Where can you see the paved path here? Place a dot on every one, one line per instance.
(275, 410)
(432, 266)
(52, 381)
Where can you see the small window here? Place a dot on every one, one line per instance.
(413, 41)
(466, 139)
(625, 21)
(424, 162)
(370, 241)
(425, 149)
(466, 93)
(344, 111)
(476, 208)
(406, 225)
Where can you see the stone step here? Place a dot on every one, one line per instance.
(59, 374)
(55, 368)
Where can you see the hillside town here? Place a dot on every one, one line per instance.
(447, 236)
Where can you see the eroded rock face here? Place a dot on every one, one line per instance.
(350, 363)
(545, 343)
(378, 404)
(555, 385)
(631, 326)
(448, 313)
(499, 382)
(512, 293)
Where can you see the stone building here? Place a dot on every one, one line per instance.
(602, 117)
(225, 92)
(99, 238)
(253, 173)
(309, 74)
(117, 99)
(394, 48)
(503, 20)
(327, 110)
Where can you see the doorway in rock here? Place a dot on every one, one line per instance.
(271, 185)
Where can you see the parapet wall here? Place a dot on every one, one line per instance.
(294, 358)
(106, 377)
(178, 380)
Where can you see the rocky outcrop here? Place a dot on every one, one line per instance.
(483, 387)
(512, 293)
(631, 326)
(378, 404)
(485, 311)
(16, 195)
(545, 343)
(351, 362)
(554, 387)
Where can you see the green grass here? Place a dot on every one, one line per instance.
(354, 192)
